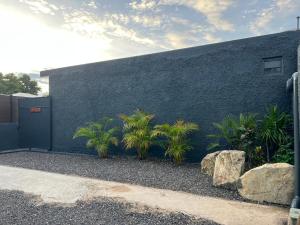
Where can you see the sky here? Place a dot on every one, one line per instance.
(42, 34)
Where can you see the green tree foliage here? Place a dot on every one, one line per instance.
(177, 142)
(11, 83)
(100, 136)
(138, 132)
(263, 141)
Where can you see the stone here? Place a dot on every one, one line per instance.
(229, 167)
(272, 183)
(208, 163)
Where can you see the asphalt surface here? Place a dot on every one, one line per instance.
(150, 173)
(19, 209)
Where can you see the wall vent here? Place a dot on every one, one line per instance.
(273, 65)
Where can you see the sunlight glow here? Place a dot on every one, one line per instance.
(25, 39)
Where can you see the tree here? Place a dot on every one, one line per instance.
(11, 83)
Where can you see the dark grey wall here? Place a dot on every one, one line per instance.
(8, 136)
(200, 84)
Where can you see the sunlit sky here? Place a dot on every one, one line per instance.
(43, 34)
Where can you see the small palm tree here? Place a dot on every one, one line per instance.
(177, 142)
(138, 132)
(274, 130)
(99, 135)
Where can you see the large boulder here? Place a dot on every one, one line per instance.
(269, 183)
(229, 167)
(208, 163)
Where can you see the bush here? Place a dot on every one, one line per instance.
(138, 132)
(273, 132)
(238, 133)
(99, 135)
(177, 142)
(263, 141)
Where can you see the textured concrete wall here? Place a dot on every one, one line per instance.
(8, 136)
(201, 84)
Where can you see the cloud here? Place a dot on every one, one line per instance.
(211, 9)
(147, 21)
(175, 40)
(143, 5)
(41, 6)
(278, 9)
(87, 23)
(92, 4)
(210, 38)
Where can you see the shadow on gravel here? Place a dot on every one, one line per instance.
(19, 209)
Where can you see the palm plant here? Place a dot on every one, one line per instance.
(238, 133)
(274, 130)
(138, 132)
(100, 136)
(176, 135)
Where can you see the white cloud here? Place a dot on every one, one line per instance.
(211, 9)
(175, 40)
(278, 9)
(92, 4)
(210, 38)
(90, 24)
(41, 6)
(264, 18)
(143, 5)
(147, 21)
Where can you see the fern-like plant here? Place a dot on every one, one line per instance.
(100, 136)
(138, 130)
(274, 130)
(177, 141)
(237, 133)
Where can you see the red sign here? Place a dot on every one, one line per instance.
(35, 109)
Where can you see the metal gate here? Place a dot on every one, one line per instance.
(35, 123)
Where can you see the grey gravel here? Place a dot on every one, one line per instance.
(151, 173)
(19, 209)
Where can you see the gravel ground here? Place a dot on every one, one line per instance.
(19, 209)
(151, 173)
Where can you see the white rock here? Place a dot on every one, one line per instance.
(269, 183)
(229, 167)
(208, 163)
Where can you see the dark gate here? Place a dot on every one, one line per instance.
(35, 123)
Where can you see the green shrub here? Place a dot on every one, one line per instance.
(237, 133)
(100, 136)
(177, 142)
(274, 131)
(138, 132)
(263, 141)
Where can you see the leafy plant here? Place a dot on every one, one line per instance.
(274, 131)
(138, 132)
(285, 153)
(100, 136)
(176, 135)
(238, 133)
